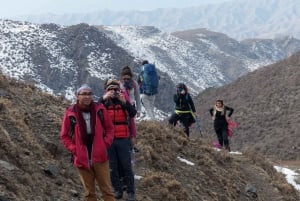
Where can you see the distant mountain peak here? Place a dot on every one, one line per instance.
(239, 19)
(60, 58)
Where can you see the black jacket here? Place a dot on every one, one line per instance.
(219, 118)
(184, 102)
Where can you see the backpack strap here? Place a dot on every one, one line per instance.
(101, 117)
(135, 84)
(71, 133)
(73, 123)
(72, 128)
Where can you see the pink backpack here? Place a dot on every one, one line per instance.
(231, 126)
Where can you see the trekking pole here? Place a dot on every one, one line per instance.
(198, 126)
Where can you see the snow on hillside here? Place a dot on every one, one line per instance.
(14, 58)
(17, 40)
(176, 57)
(58, 58)
(22, 44)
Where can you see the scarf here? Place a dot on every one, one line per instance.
(81, 122)
(222, 110)
(128, 84)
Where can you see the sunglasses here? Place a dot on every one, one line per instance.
(115, 89)
(126, 79)
(86, 94)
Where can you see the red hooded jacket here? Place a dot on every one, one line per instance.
(100, 144)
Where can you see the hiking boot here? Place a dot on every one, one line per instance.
(136, 149)
(227, 148)
(118, 195)
(124, 187)
(130, 197)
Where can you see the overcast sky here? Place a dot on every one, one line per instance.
(31, 7)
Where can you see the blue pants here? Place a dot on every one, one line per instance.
(120, 158)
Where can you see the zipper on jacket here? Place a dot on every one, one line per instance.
(91, 159)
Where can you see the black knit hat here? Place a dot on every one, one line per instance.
(145, 62)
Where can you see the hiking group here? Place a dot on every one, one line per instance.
(101, 136)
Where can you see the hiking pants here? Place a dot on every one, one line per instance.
(221, 131)
(100, 173)
(184, 119)
(120, 158)
(148, 103)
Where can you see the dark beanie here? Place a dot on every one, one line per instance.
(145, 62)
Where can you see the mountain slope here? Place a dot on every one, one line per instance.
(59, 59)
(30, 150)
(35, 166)
(266, 104)
(240, 19)
(200, 57)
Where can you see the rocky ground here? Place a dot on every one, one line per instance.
(35, 166)
(266, 104)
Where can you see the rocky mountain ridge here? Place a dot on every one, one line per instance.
(59, 59)
(200, 58)
(240, 19)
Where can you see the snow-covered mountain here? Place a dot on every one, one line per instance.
(200, 58)
(240, 19)
(58, 59)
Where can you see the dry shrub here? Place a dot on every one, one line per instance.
(260, 161)
(286, 188)
(153, 179)
(5, 103)
(28, 89)
(164, 187)
(3, 81)
(147, 150)
(182, 140)
(173, 185)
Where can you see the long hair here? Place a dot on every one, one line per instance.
(183, 86)
(126, 71)
(222, 109)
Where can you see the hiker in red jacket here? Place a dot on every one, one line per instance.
(219, 116)
(121, 111)
(85, 135)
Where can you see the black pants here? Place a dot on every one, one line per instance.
(185, 119)
(221, 131)
(119, 155)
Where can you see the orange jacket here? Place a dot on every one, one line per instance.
(120, 119)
